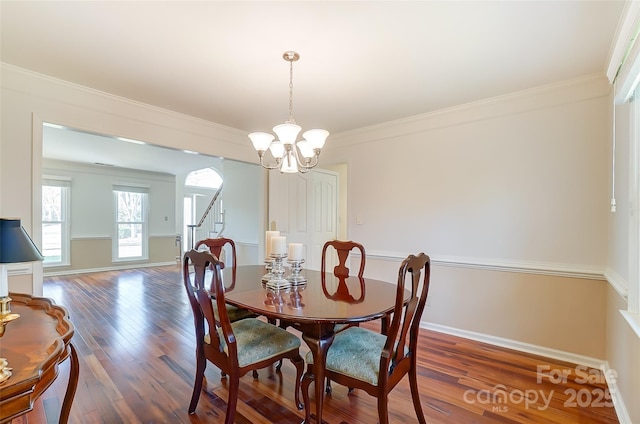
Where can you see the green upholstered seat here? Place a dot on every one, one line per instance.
(257, 340)
(235, 314)
(355, 352)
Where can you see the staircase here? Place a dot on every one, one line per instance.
(212, 223)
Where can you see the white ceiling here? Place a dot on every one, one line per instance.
(362, 62)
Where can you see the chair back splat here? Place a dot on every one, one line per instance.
(215, 246)
(343, 249)
(363, 359)
(234, 347)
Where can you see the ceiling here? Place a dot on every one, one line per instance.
(362, 62)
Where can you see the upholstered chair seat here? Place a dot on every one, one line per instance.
(258, 341)
(356, 352)
(235, 314)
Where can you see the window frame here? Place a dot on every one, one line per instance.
(65, 211)
(135, 189)
(624, 73)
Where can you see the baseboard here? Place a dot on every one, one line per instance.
(612, 384)
(104, 269)
(616, 397)
(517, 345)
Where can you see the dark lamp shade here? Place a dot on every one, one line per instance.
(15, 243)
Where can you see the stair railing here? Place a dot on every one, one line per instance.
(211, 218)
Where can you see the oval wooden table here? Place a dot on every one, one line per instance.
(34, 346)
(313, 308)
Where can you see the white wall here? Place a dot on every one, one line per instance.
(28, 99)
(510, 199)
(518, 179)
(244, 194)
(92, 208)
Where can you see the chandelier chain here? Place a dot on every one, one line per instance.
(291, 93)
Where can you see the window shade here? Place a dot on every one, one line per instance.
(131, 188)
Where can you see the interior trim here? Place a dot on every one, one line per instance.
(616, 396)
(572, 358)
(540, 268)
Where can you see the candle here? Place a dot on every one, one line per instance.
(296, 251)
(278, 245)
(269, 235)
(4, 281)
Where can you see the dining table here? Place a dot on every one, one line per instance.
(313, 307)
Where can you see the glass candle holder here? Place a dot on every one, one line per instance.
(277, 280)
(295, 277)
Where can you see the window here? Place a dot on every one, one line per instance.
(131, 242)
(204, 178)
(55, 221)
(624, 72)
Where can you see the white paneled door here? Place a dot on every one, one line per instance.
(304, 208)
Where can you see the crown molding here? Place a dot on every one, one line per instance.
(564, 92)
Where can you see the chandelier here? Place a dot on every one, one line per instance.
(287, 157)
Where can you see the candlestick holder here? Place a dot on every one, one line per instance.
(295, 277)
(5, 313)
(5, 318)
(278, 280)
(268, 266)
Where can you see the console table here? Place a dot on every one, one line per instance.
(34, 345)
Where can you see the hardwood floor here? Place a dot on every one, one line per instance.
(134, 336)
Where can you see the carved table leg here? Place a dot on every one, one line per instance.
(318, 345)
(74, 372)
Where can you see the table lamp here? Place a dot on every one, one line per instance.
(15, 246)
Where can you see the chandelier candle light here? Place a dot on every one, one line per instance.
(288, 158)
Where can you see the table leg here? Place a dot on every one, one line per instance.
(318, 345)
(74, 372)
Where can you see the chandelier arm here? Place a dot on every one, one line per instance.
(276, 166)
(309, 163)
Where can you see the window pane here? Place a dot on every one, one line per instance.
(54, 228)
(129, 206)
(207, 178)
(129, 240)
(51, 203)
(52, 243)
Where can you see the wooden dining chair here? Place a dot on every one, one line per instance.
(235, 348)
(216, 246)
(374, 362)
(342, 249)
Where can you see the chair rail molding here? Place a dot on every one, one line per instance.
(528, 267)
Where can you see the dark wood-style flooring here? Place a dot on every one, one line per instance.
(135, 339)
